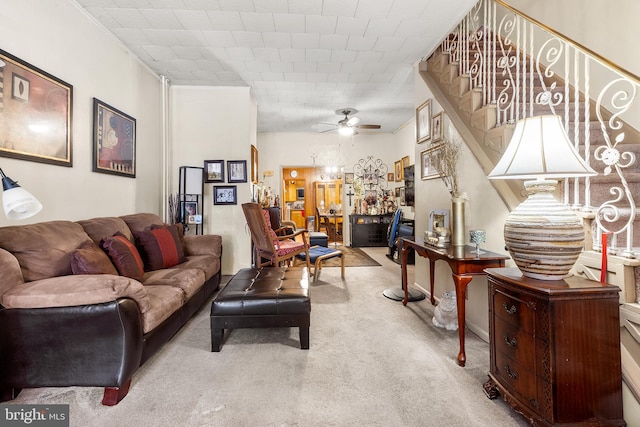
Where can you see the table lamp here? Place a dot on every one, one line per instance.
(18, 203)
(543, 236)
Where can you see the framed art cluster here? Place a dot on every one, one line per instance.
(428, 127)
(236, 171)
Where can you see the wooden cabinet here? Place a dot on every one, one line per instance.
(328, 193)
(555, 349)
(369, 230)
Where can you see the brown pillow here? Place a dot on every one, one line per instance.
(90, 259)
(124, 256)
(160, 247)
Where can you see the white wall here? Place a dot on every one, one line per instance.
(57, 37)
(216, 123)
(484, 209)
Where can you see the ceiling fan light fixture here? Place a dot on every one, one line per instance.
(346, 130)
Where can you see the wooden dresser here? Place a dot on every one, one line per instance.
(555, 349)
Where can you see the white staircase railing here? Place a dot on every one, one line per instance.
(523, 68)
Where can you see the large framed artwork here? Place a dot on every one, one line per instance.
(35, 113)
(423, 121)
(114, 141)
(254, 165)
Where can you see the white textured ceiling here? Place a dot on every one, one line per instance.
(303, 59)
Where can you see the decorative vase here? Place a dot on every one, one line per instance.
(458, 234)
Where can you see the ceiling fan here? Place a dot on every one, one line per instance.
(349, 125)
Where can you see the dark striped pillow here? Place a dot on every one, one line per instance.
(124, 256)
(160, 247)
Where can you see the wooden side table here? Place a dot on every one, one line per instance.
(464, 263)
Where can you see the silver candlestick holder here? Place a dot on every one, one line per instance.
(477, 237)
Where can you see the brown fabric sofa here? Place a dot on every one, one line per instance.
(98, 326)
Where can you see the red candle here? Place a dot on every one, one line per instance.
(603, 268)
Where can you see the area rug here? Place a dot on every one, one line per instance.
(353, 257)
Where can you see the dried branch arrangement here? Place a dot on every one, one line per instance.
(448, 165)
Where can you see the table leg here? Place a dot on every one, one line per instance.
(432, 279)
(404, 252)
(461, 283)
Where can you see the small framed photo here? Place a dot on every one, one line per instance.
(225, 195)
(390, 177)
(348, 178)
(402, 196)
(114, 141)
(423, 122)
(214, 171)
(189, 208)
(429, 162)
(399, 170)
(405, 161)
(437, 127)
(370, 178)
(237, 171)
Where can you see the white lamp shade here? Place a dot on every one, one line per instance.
(540, 148)
(18, 203)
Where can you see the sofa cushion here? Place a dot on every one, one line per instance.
(187, 279)
(90, 259)
(141, 221)
(124, 256)
(10, 273)
(165, 300)
(99, 228)
(68, 291)
(43, 249)
(208, 264)
(160, 247)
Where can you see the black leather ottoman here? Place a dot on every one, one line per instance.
(317, 238)
(263, 298)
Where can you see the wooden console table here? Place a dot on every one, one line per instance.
(464, 263)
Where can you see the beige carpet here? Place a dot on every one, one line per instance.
(372, 362)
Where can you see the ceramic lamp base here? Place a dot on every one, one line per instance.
(543, 236)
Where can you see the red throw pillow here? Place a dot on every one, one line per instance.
(124, 256)
(90, 259)
(160, 247)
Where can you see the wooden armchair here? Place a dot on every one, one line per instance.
(270, 248)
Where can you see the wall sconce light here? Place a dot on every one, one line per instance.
(18, 203)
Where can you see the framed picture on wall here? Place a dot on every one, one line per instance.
(399, 170)
(390, 176)
(35, 113)
(348, 178)
(237, 171)
(437, 127)
(225, 195)
(254, 164)
(429, 162)
(114, 141)
(423, 121)
(401, 196)
(214, 171)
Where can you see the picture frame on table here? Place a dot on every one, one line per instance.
(189, 208)
(225, 195)
(114, 140)
(35, 114)
(437, 127)
(236, 171)
(423, 122)
(429, 160)
(214, 171)
(398, 170)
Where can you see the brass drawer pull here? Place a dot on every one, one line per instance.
(510, 310)
(512, 374)
(511, 342)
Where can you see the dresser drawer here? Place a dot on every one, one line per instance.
(521, 382)
(513, 310)
(515, 343)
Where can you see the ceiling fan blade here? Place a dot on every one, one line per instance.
(368, 126)
(327, 130)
